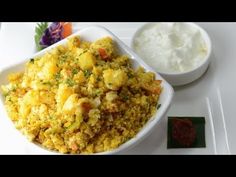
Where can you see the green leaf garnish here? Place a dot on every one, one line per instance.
(39, 30)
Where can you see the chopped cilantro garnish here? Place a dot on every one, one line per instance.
(75, 71)
(98, 92)
(32, 60)
(57, 76)
(158, 106)
(87, 73)
(70, 82)
(125, 97)
(130, 75)
(10, 100)
(62, 58)
(47, 83)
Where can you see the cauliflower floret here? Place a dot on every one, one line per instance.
(71, 104)
(86, 61)
(31, 98)
(49, 67)
(111, 96)
(62, 94)
(114, 79)
(94, 115)
(47, 97)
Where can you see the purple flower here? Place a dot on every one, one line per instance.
(51, 35)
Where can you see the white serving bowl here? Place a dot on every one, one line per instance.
(91, 34)
(183, 78)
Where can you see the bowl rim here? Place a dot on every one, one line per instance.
(205, 36)
(145, 130)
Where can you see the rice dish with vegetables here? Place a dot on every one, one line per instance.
(81, 97)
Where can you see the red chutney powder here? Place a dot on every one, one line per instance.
(183, 131)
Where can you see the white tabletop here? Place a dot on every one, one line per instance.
(212, 96)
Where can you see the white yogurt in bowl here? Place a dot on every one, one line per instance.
(172, 48)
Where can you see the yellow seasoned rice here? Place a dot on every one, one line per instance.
(81, 97)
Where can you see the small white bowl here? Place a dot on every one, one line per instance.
(184, 78)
